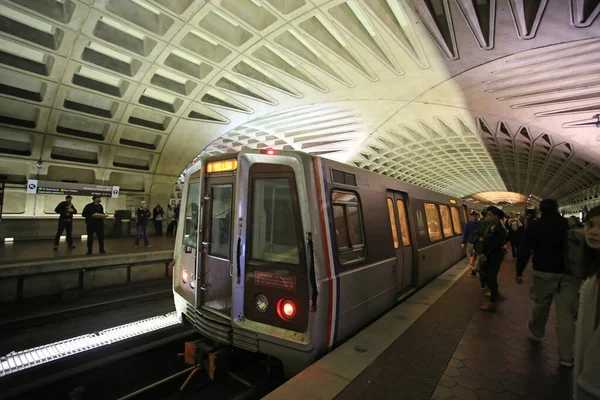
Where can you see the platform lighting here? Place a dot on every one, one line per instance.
(9, 240)
(24, 359)
(83, 237)
(62, 238)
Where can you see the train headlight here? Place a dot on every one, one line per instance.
(185, 275)
(192, 281)
(286, 309)
(262, 304)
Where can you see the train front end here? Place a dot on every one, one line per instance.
(246, 272)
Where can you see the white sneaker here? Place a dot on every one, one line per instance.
(568, 364)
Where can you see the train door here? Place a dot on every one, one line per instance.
(397, 209)
(216, 268)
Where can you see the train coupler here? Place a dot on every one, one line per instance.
(213, 357)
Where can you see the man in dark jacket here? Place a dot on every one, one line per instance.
(142, 216)
(546, 237)
(492, 254)
(470, 237)
(94, 223)
(66, 209)
(158, 214)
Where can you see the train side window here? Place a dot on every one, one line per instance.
(433, 222)
(446, 221)
(190, 235)
(348, 223)
(464, 210)
(456, 221)
(391, 212)
(403, 222)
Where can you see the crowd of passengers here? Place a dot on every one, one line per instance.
(566, 270)
(94, 222)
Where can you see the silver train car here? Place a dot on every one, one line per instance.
(288, 254)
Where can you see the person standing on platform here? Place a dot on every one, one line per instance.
(470, 238)
(142, 216)
(586, 374)
(66, 209)
(546, 238)
(176, 211)
(158, 215)
(94, 223)
(170, 220)
(492, 254)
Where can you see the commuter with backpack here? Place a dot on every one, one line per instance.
(554, 276)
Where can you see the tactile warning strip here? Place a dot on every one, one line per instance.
(21, 360)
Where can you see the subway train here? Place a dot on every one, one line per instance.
(289, 254)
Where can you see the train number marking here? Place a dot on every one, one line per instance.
(286, 282)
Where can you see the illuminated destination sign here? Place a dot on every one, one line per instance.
(221, 166)
(74, 189)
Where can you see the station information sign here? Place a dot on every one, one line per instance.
(74, 189)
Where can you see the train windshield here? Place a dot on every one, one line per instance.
(273, 234)
(190, 236)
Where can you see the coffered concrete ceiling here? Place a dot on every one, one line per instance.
(460, 96)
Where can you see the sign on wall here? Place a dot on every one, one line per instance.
(74, 189)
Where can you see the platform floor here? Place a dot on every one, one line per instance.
(456, 351)
(39, 250)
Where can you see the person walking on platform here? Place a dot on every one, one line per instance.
(484, 224)
(142, 216)
(470, 238)
(546, 238)
(492, 254)
(66, 209)
(513, 226)
(158, 215)
(94, 223)
(170, 220)
(586, 374)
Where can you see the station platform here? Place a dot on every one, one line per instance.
(438, 345)
(41, 250)
(32, 269)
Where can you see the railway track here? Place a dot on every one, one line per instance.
(141, 367)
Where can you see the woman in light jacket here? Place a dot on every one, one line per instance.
(586, 378)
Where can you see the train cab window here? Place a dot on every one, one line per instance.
(347, 214)
(220, 224)
(446, 221)
(433, 222)
(390, 204)
(190, 235)
(403, 222)
(456, 221)
(274, 234)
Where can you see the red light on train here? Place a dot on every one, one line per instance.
(286, 309)
(270, 152)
